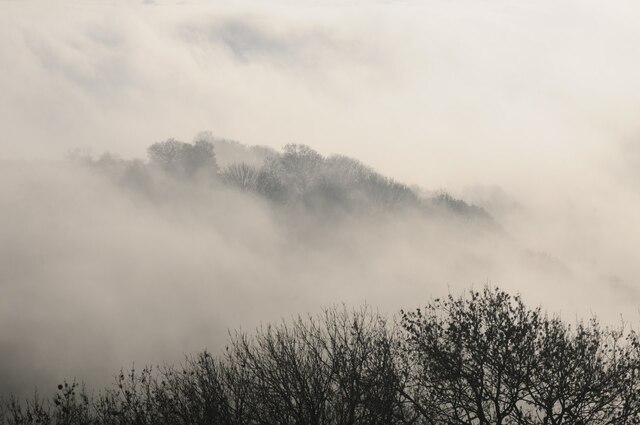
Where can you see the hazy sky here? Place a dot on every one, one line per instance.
(527, 107)
(443, 93)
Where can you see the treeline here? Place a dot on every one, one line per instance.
(482, 358)
(297, 176)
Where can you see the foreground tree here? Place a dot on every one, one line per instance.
(338, 369)
(484, 358)
(487, 359)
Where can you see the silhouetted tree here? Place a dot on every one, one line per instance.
(487, 359)
(338, 370)
(481, 359)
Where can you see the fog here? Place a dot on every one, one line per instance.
(524, 109)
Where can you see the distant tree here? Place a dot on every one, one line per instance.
(297, 167)
(184, 159)
(300, 158)
(368, 187)
(335, 183)
(448, 204)
(241, 175)
(252, 179)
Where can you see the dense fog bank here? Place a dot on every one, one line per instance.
(109, 261)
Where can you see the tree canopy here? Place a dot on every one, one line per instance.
(186, 159)
(298, 176)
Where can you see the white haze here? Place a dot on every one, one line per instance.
(527, 108)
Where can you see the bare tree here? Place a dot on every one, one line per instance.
(184, 159)
(487, 359)
(337, 370)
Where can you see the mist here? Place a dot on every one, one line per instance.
(525, 110)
